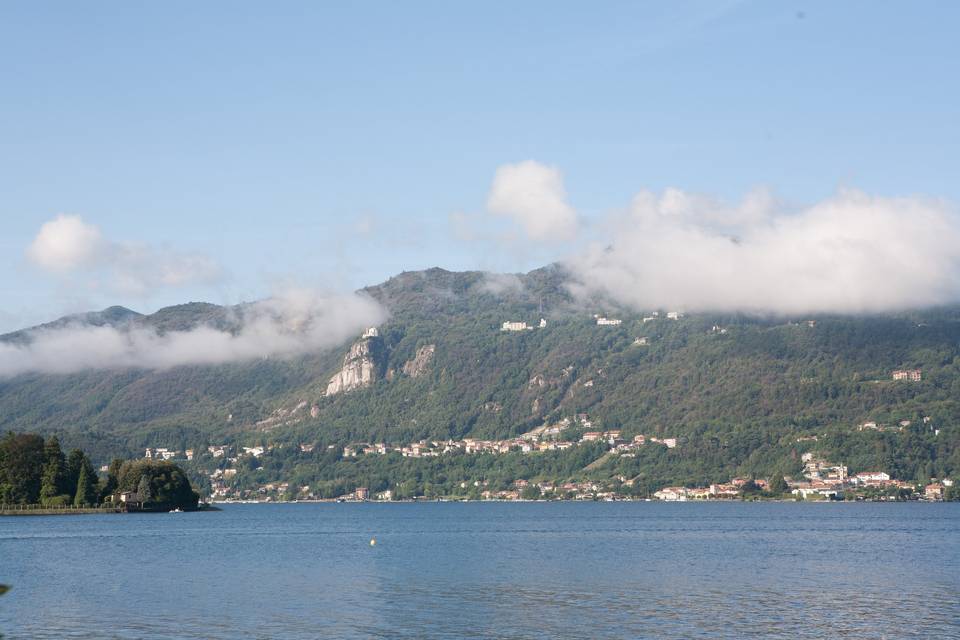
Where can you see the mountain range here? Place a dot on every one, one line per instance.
(738, 391)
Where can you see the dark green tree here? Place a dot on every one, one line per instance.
(778, 486)
(109, 485)
(21, 467)
(161, 485)
(72, 471)
(749, 488)
(86, 484)
(53, 481)
(530, 492)
(144, 492)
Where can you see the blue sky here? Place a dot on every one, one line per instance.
(335, 144)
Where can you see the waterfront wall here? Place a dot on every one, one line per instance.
(38, 510)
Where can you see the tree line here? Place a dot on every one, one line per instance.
(37, 472)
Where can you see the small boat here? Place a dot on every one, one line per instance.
(177, 510)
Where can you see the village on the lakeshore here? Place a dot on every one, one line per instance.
(820, 480)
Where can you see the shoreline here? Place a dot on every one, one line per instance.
(45, 511)
(215, 506)
(87, 511)
(495, 501)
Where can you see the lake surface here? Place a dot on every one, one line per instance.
(522, 570)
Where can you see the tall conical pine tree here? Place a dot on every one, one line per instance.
(52, 481)
(144, 494)
(86, 484)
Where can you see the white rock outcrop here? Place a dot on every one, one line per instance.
(359, 368)
(420, 362)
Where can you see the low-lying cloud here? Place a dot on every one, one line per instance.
(68, 246)
(292, 323)
(851, 253)
(501, 284)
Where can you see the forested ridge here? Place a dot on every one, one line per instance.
(738, 391)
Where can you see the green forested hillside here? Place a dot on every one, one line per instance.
(737, 391)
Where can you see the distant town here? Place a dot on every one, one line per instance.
(821, 479)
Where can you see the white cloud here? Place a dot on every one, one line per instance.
(533, 195)
(294, 322)
(67, 243)
(67, 246)
(848, 254)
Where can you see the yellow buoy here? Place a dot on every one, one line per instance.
(373, 542)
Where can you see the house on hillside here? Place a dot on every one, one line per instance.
(913, 375)
(871, 478)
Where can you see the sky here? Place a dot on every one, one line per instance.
(152, 154)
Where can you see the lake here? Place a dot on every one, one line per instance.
(488, 570)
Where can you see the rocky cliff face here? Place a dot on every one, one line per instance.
(420, 362)
(360, 366)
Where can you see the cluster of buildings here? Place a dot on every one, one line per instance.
(878, 426)
(671, 315)
(163, 453)
(434, 448)
(568, 490)
(510, 325)
(828, 480)
(821, 479)
(220, 477)
(602, 321)
(542, 439)
(625, 447)
(216, 451)
(218, 483)
(726, 490)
